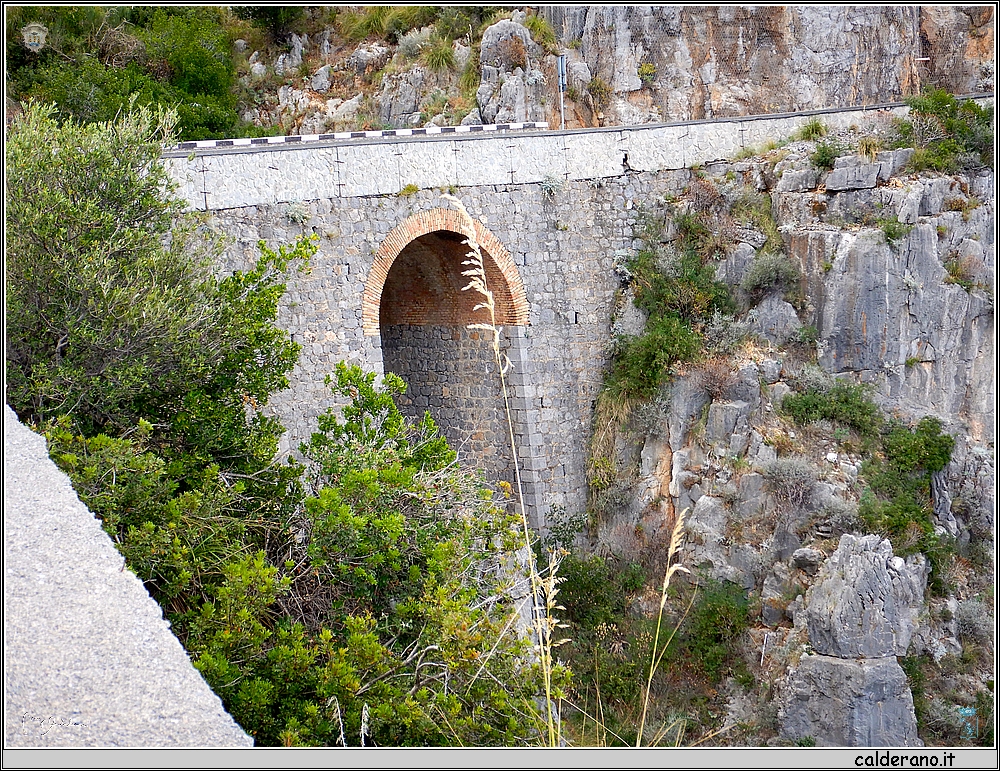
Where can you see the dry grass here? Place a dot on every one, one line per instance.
(544, 587)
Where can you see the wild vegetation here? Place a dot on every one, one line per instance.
(362, 596)
(96, 61)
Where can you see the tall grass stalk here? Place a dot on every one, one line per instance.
(676, 539)
(543, 589)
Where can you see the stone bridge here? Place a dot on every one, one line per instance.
(553, 210)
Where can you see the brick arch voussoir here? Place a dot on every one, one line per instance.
(430, 221)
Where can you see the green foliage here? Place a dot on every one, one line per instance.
(600, 92)
(949, 134)
(98, 309)
(275, 19)
(110, 59)
(647, 73)
(899, 484)
(438, 54)
(596, 590)
(769, 270)
(962, 272)
(681, 285)
(897, 499)
(455, 22)
(471, 76)
(641, 364)
(844, 403)
(711, 636)
(542, 32)
(826, 153)
(894, 230)
(812, 130)
(754, 209)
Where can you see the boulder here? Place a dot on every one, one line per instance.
(865, 602)
(842, 703)
(776, 320)
(797, 181)
(862, 176)
(368, 58)
(321, 79)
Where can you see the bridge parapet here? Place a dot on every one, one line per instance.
(226, 176)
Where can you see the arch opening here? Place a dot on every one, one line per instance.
(449, 369)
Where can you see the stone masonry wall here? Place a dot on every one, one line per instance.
(561, 205)
(451, 372)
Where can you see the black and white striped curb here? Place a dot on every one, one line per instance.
(416, 132)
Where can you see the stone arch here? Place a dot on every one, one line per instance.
(502, 275)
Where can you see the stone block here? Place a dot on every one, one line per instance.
(863, 176)
(865, 602)
(722, 421)
(843, 703)
(797, 181)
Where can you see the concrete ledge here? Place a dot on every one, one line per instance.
(89, 660)
(229, 174)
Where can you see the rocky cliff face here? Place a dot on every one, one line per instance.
(692, 62)
(628, 65)
(895, 290)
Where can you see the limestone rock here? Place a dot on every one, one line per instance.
(850, 704)
(865, 602)
(321, 79)
(401, 96)
(347, 111)
(723, 419)
(797, 181)
(776, 320)
(777, 583)
(735, 266)
(503, 40)
(368, 58)
(290, 62)
(853, 177)
(807, 560)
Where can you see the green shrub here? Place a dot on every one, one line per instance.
(949, 134)
(471, 76)
(813, 129)
(769, 270)
(754, 209)
(595, 590)
(647, 73)
(438, 54)
(600, 92)
(790, 479)
(897, 501)
(961, 272)
(711, 636)
(641, 364)
(275, 19)
(844, 403)
(826, 153)
(894, 230)
(542, 32)
(173, 57)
